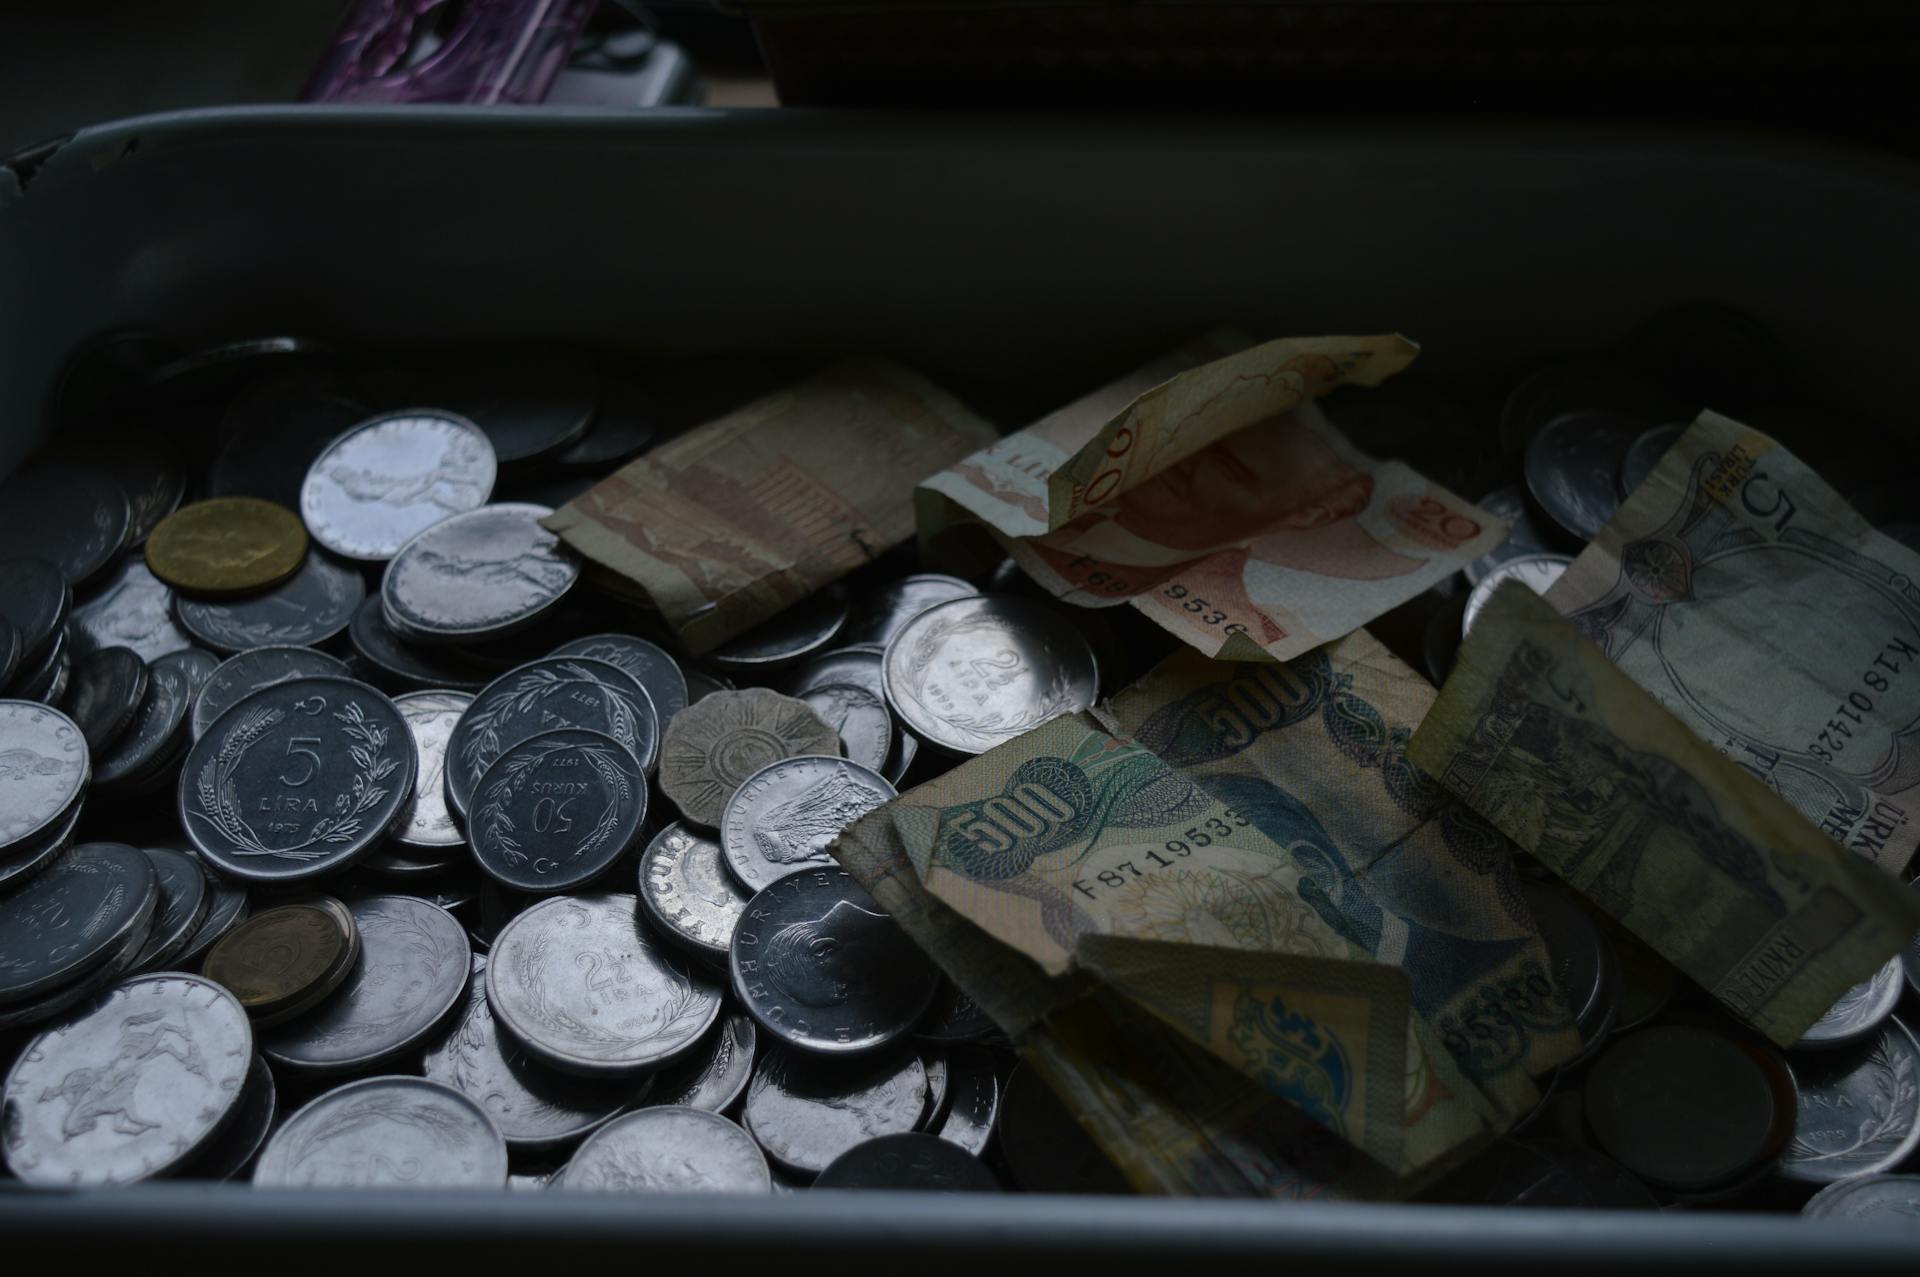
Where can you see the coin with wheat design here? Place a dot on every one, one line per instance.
(238, 677)
(576, 981)
(389, 479)
(658, 672)
(555, 810)
(413, 967)
(297, 779)
(309, 608)
(1859, 1110)
(386, 1132)
(1859, 1012)
(543, 696)
(720, 740)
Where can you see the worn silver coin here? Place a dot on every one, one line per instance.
(862, 719)
(533, 1106)
(806, 627)
(311, 607)
(48, 683)
(577, 982)
(227, 907)
(973, 1104)
(239, 677)
(28, 856)
(44, 766)
(477, 576)
(721, 740)
(391, 478)
(76, 517)
(783, 816)
(687, 892)
(1573, 468)
(386, 1132)
(649, 664)
(884, 611)
(973, 673)
(716, 1076)
(555, 810)
(131, 1088)
(857, 665)
(297, 779)
(1525, 534)
(73, 917)
(397, 663)
(668, 1149)
(1643, 456)
(543, 696)
(532, 400)
(414, 962)
(182, 906)
(806, 1111)
(48, 1007)
(105, 694)
(140, 761)
(909, 1163)
(820, 967)
(1859, 1109)
(425, 822)
(1882, 1197)
(235, 1145)
(1858, 1012)
(1537, 572)
(130, 607)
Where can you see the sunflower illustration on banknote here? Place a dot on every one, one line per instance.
(1225, 908)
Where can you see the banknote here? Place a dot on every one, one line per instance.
(1241, 854)
(1570, 758)
(1219, 501)
(1754, 604)
(728, 524)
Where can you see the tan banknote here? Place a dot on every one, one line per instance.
(746, 515)
(1241, 854)
(1685, 848)
(1209, 492)
(1750, 599)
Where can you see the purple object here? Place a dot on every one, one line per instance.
(472, 52)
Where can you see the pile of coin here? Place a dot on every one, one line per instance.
(354, 836)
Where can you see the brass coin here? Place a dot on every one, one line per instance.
(284, 958)
(229, 545)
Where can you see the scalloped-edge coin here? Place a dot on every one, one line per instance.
(386, 1132)
(130, 1088)
(394, 476)
(668, 1149)
(478, 576)
(576, 981)
(716, 743)
(297, 779)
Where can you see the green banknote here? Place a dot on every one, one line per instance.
(1751, 601)
(1685, 848)
(1237, 862)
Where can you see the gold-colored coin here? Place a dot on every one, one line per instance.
(282, 961)
(229, 545)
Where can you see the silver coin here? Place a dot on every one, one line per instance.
(860, 717)
(239, 677)
(297, 779)
(182, 906)
(140, 762)
(196, 663)
(1859, 1011)
(73, 917)
(386, 1132)
(44, 766)
(716, 1076)
(957, 1018)
(131, 1088)
(1525, 534)
(784, 815)
(543, 696)
(311, 607)
(577, 982)
(1859, 1109)
(425, 821)
(1643, 456)
(802, 629)
(532, 400)
(227, 908)
(805, 1111)
(414, 962)
(974, 1104)
(234, 1146)
(132, 608)
(668, 1149)
(389, 479)
(722, 739)
(937, 1097)
(1573, 469)
(1537, 572)
(906, 748)
(623, 427)
(49, 683)
(819, 966)
(481, 575)
(27, 857)
(214, 368)
(554, 810)
(976, 672)
(533, 1106)
(1577, 385)
(688, 893)
(37, 600)
(857, 665)
(76, 517)
(1881, 1197)
(400, 664)
(56, 1005)
(911, 1163)
(650, 666)
(105, 694)
(884, 612)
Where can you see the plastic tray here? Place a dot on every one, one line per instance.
(1034, 255)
